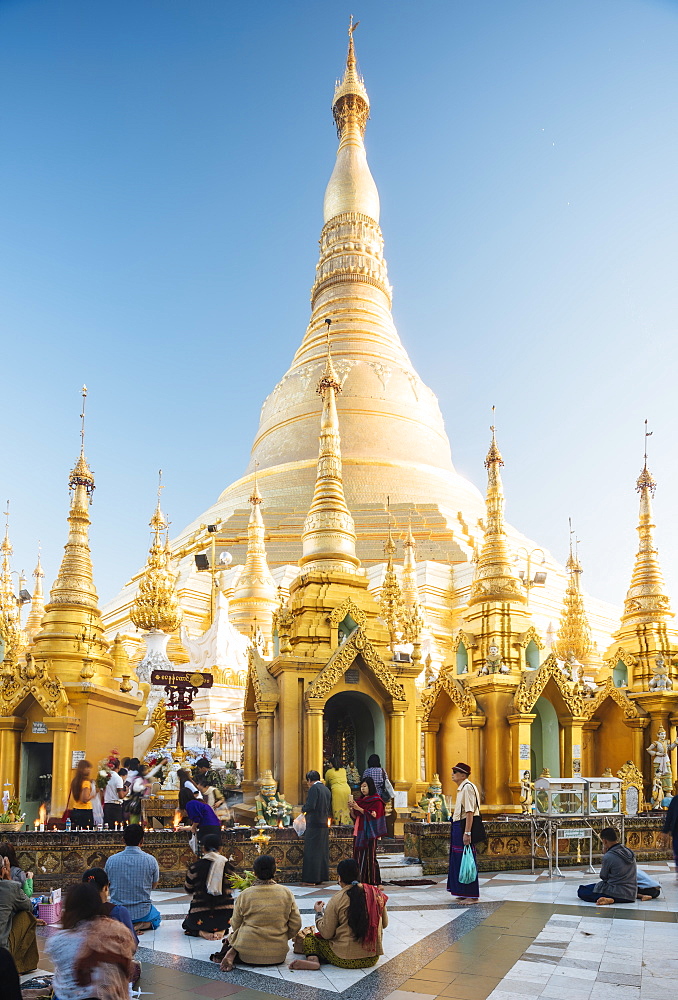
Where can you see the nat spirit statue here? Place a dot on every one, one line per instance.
(272, 808)
(526, 793)
(660, 679)
(433, 803)
(494, 663)
(659, 751)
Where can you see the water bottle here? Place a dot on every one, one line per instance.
(68, 825)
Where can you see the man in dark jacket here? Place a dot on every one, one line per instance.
(618, 877)
(318, 809)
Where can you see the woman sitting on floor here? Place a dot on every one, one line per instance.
(265, 918)
(116, 911)
(212, 902)
(92, 955)
(349, 929)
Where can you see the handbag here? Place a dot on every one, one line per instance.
(468, 871)
(478, 834)
(388, 791)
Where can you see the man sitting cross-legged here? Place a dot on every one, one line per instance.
(618, 877)
(133, 874)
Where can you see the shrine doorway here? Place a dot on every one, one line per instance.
(354, 727)
(545, 733)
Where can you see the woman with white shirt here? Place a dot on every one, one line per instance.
(466, 806)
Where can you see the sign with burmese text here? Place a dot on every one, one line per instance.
(181, 678)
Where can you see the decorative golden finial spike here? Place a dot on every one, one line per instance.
(574, 634)
(82, 418)
(329, 378)
(351, 105)
(494, 579)
(256, 497)
(35, 615)
(81, 476)
(645, 480)
(156, 605)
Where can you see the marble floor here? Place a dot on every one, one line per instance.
(529, 937)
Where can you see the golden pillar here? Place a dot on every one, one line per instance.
(11, 728)
(588, 756)
(418, 741)
(250, 755)
(573, 739)
(265, 734)
(473, 724)
(638, 727)
(397, 741)
(521, 750)
(430, 730)
(314, 735)
(64, 729)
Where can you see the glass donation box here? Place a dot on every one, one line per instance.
(604, 795)
(560, 796)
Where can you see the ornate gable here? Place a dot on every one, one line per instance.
(620, 654)
(259, 679)
(347, 607)
(608, 690)
(531, 636)
(532, 686)
(32, 677)
(458, 692)
(343, 657)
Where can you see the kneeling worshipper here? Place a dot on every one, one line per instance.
(204, 820)
(618, 875)
(466, 806)
(348, 929)
(17, 923)
(212, 900)
(265, 918)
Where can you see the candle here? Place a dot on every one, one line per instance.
(35, 825)
(42, 828)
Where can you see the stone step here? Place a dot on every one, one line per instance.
(396, 866)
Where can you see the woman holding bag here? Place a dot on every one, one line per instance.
(466, 807)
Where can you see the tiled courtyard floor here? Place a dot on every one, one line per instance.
(530, 937)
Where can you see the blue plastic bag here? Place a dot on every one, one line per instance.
(467, 870)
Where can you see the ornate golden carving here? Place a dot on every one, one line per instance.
(341, 660)
(347, 608)
(32, 677)
(620, 654)
(163, 730)
(532, 685)
(531, 636)
(619, 696)
(156, 606)
(458, 692)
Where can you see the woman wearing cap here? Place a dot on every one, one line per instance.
(466, 806)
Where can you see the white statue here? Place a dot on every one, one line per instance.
(220, 646)
(171, 782)
(659, 750)
(494, 663)
(660, 676)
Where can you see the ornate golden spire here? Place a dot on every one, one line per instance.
(574, 635)
(254, 598)
(646, 600)
(410, 589)
(391, 597)
(351, 187)
(75, 582)
(34, 620)
(9, 608)
(156, 607)
(494, 580)
(328, 538)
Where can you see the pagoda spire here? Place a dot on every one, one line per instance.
(410, 588)
(75, 582)
(254, 599)
(391, 597)
(328, 538)
(574, 634)
(156, 606)
(494, 579)
(646, 598)
(9, 608)
(34, 620)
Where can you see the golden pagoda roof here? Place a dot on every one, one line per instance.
(574, 634)
(646, 599)
(35, 615)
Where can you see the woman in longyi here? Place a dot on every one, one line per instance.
(337, 782)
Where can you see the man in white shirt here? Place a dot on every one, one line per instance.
(114, 792)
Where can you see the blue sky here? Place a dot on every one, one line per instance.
(161, 178)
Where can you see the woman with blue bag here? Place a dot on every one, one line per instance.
(466, 831)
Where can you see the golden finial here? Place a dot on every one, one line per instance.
(256, 497)
(494, 579)
(328, 538)
(410, 588)
(390, 596)
(646, 600)
(82, 474)
(574, 634)
(156, 605)
(351, 105)
(35, 615)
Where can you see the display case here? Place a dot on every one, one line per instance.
(560, 796)
(604, 796)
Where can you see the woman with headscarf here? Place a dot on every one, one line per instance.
(348, 929)
(212, 901)
(370, 825)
